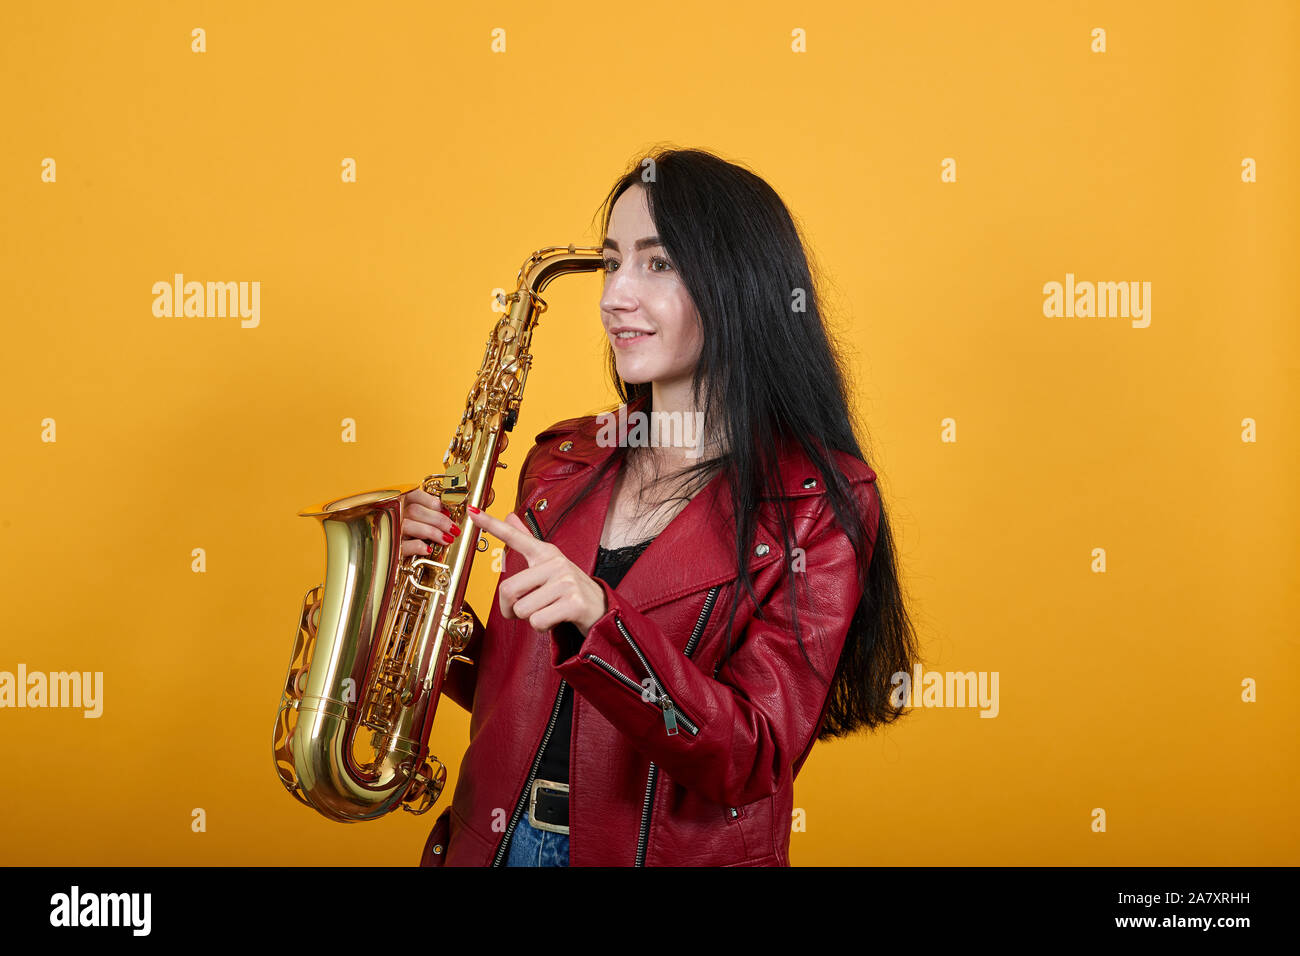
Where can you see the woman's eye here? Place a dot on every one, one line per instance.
(611, 265)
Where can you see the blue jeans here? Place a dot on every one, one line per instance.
(532, 847)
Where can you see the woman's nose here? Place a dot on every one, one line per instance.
(618, 293)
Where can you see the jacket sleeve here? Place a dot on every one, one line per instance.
(757, 719)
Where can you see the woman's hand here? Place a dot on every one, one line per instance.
(424, 522)
(552, 589)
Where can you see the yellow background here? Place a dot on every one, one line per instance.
(1118, 690)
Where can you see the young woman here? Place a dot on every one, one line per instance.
(616, 717)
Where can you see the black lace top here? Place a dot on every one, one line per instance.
(611, 566)
(613, 563)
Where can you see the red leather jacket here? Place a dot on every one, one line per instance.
(718, 792)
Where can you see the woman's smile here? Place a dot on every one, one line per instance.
(624, 338)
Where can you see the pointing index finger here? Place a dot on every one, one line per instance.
(516, 538)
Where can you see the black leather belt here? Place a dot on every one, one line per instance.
(548, 806)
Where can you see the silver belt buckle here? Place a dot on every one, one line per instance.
(532, 805)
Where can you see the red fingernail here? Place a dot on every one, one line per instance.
(455, 528)
(429, 550)
(448, 538)
(473, 509)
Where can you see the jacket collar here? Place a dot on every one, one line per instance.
(694, 552)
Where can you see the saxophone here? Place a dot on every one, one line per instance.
(374, 641)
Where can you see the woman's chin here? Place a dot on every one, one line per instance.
(634, 376)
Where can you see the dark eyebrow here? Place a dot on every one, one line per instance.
(649, 242)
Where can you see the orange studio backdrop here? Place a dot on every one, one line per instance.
(1058, 245)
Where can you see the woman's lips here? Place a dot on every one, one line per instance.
(629, 341)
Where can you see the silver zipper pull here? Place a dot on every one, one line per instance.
(670, 715)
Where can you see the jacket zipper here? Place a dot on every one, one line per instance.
(648, 806)
(665, 703)
(550, 726)
(532, 523)
(678, 717)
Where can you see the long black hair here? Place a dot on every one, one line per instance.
(739, 253)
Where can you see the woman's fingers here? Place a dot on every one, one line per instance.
(417, 536)
(429, 532)
(424, 522)
(420, 517)
(419, 496)
(540, 597)
(514, 588)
